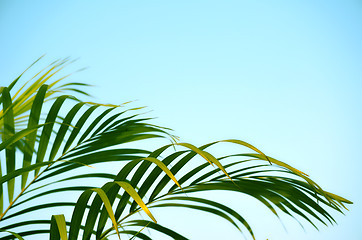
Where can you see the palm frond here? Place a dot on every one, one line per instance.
(50, 144)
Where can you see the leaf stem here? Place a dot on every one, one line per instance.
(22, 191)
(32, 181)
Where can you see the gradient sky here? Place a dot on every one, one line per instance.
(285, 76)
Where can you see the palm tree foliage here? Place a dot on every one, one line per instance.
(50, 139)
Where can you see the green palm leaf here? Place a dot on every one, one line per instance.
(62, 140)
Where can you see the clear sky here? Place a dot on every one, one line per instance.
(285, 76)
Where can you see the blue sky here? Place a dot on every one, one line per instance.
(285, 76)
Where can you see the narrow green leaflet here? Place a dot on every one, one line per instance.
(13, 233)
(8, 133)
(217, 205)
(108, 206)
(157, 227)
(17, 136)
(58, 228)
(94, 123)
(20, 171)
(27, 233)
(207, 156)
(130, 190)
(78, 127)
(33, 122)
(63, 130)
(153, 175)
(246, 145)
(197, 150)
(78, 213)
(201, 208)
(164, 168)
(47, 130)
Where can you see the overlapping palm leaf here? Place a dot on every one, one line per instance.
(63, 137)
